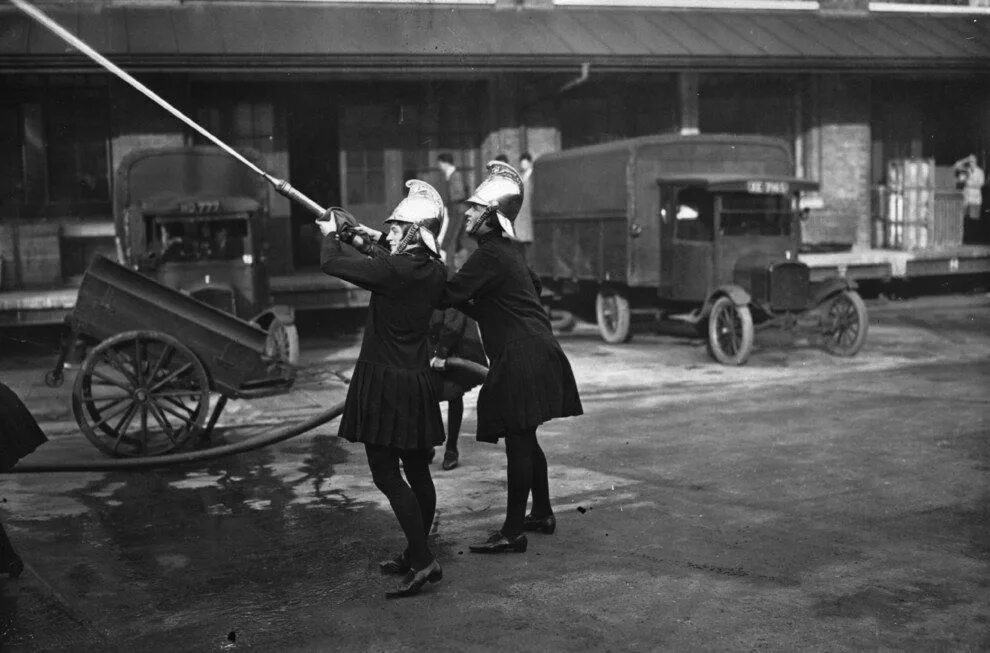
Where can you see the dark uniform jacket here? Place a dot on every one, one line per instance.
(530, 379)
(391, 400)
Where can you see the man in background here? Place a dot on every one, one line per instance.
(524, 221)
(453, 191)
(970, 179)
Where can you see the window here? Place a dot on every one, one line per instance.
(241, 123)
(365, 176)
(600, 111)
(744, 214)
(77, 135)
(363, 130)
(11, 160)
(747, 104)
(54, 146)
(199, 239)
(694, 215)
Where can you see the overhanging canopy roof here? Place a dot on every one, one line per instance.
(275, 36)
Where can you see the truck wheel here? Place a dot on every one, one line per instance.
(730, 332)
(844, 324)
(613, 315)
(283, 342)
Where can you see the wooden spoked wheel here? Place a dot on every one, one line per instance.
(141, 393)
(845, 324)
(730, 332)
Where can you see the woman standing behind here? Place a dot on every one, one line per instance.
(391, 405)
(530, 379)
(453, 334)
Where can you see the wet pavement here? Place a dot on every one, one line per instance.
(802, 502)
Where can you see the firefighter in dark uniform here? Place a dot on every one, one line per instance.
(530, 379)
(391, 404)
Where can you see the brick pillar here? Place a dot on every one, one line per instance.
(504, 135)
(541, 140)
(838, 145)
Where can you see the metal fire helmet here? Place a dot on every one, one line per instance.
(424, 209)
(502, 191)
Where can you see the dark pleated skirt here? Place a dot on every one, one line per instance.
(19, 431)
(529, 384)
(391, 407)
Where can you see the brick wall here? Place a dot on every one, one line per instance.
(839, 138)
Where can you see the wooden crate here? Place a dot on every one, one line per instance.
(948, 219)
(39, 255)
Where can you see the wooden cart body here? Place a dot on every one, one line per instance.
(156, 356)
(114, 299)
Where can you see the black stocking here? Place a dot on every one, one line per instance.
(519, 447)
(405, 500)
(541, 482)
(455, 415)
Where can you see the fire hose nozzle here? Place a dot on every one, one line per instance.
(285, 189)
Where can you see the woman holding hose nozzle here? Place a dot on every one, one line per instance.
(530, 379)
(391, 404)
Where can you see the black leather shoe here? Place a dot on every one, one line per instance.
(414, 581)
(498, 543)
(546, 525)
(450, 460)
(396, 565)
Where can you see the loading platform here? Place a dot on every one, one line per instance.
(313, 290)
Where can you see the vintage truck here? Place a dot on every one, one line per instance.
(701, 229)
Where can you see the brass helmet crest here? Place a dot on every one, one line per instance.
(423, 208)
(502, 191)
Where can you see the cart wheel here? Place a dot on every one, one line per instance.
(283, 342)
(614, 316)
(730, 332)
(844, 324)
(141, 393)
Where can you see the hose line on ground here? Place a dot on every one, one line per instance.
(120, 464)
(472, 369)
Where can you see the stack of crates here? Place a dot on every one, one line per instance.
(909, 218)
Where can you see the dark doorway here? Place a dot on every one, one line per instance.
(314, 164)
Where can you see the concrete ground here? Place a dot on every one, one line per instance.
(801, 502)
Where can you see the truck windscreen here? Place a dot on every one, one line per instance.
(745, 214)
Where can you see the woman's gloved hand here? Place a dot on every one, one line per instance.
(347, 228)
